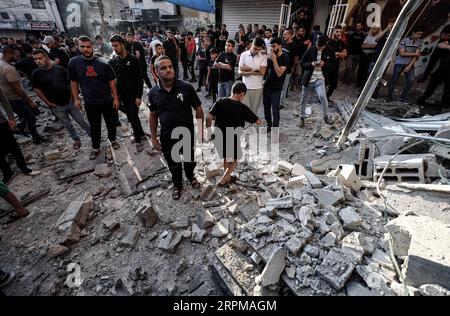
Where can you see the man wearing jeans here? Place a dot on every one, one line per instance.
(291, 49)
(10, 83)
(98, 85)
(252, 68)
(408, 54)
(51, 84)
(225, 63)
(277, 66)
(315, 64)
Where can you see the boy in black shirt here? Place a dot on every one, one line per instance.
(226, 63)
(51, 84)
(230, 115)
(158, 53)
(213, 74)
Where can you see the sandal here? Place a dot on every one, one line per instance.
(176, 193)
(14, 217)
(115, 145)
(195, 184)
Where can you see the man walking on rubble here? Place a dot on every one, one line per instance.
(171, 102)
(51, 84)
(97, 81)
(130, 86)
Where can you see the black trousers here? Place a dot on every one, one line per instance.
(441, 75)
(191, 68)
(26, 115)
(363, 69)
(145, 76)
(333, 78)
(131, 110)
(8, 145)
(185, 68)
(176, 168)
(203, 72)
(94, 114)
(213, 89)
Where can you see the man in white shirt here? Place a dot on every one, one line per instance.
(252, 68)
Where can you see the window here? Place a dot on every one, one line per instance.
(137, 1)
(38, 4)
(28, 16)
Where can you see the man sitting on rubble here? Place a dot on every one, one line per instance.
(230, 115)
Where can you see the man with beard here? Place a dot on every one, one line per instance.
(171, 102)
(136, 49)
(97, 81)
(129, 86)
(340, 51)
(172, 50)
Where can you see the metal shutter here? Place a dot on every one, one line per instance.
(262, 12)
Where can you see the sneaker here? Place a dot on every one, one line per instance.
(139, 147)
(33, 173)
(115, 145)
(302, 123)
(6, 278)
(281, 106)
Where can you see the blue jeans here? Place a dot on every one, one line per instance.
(285, 88)
(271, 101)
(410, 78)
(225, 89)
(25, 113)
(319, 87)
(63, 114)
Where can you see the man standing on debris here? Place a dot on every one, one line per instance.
(8, 143)
(355, 43)
(11, 85)
(129, 86)
(291, 49)
(226, 63)
(315, 64)
(340, 51)
(51, 84)
(136, 49)
(252, 68)
(408, 54)
(277, 66)
(97, 81)
(171, 102)
(230, 115)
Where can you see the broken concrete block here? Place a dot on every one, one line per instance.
(346, 175)
(270, 212)
(52, 154)
(110, 222)
(336, 268)
(147, 213)
(328, 197)
(359, 243)
(169, 241)
(221, 229)
(290, 272)
(295, 182)
(273, 269)
(294, 245)
(249, 209)
(290, 218)
(331, 218)
(208, 193)
(312, 251)
(313, 180)
(383, 259)
(284, 167)
(298, 170)
(130, 237)
(306, 218)
(74, 219)
(197, 234)
(102, 170)
(331, 162)
(212, 171)
(337, 229)
(329, 240)
(426, 242)
(56, 251)
(433, 290)
(374, 281)
(400, 290)
(180, 222)
(351, 220)
(356, 289)
(206, 221)
(281, 203)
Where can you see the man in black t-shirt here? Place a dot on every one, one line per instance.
(340, 51)
(26, 65)
(213, 75)
(55, 53)
(230, 116)
(97, 81)
(276, 73)
(136, 49)
(355, 42)
(172, 50)
(291, 49)
(171, 103)
(212, 35)
(52, 86)
(226, 63)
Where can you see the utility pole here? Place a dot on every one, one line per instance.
(102, 16)
(382, 63)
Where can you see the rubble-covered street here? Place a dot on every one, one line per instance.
(317, 223)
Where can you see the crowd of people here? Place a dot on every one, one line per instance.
(259, 65)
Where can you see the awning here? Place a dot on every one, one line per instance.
(200, 5)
